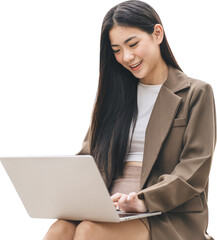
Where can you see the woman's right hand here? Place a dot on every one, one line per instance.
(128, 203)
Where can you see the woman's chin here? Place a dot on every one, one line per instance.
(139, 75)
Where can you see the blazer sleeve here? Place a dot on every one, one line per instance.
(190, 176)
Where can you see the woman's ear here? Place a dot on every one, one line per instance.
(158, 33)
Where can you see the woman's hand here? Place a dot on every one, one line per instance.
(128, 203)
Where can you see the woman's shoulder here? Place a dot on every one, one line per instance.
(200, 87)
(178, 80)
(199, 91)
(195, 82)
(192, 82)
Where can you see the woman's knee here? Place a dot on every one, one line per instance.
(86, 230)
(61, 230)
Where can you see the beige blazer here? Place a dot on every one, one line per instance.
(179, 144)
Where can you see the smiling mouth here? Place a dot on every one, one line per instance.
(136, 66)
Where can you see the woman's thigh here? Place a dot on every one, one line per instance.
(61, 230)
(129, 230)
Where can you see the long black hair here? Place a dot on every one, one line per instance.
(116, 103)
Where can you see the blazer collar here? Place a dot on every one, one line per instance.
(176, 80)
(161, 119)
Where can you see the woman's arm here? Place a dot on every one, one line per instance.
(189, 177)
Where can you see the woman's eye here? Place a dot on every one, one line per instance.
(116, 51)
(132, 45)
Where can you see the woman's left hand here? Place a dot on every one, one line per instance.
(128, 203)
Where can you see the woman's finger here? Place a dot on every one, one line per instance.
(132, 196)
(116, 197)
(115, 204)
(122, 200)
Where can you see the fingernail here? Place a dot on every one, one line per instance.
(128, 198)
(117, 207)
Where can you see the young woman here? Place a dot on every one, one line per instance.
(152, 134)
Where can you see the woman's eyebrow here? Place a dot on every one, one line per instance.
(126, 41)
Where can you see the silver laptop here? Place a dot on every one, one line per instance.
(68, 187)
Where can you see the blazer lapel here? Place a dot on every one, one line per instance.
(161, 119)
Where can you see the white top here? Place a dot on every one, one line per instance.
(146, 97)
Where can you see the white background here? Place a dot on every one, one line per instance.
(49, 64)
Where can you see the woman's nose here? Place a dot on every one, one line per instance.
(128, 57)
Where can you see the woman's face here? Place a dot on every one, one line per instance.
(137, 51)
